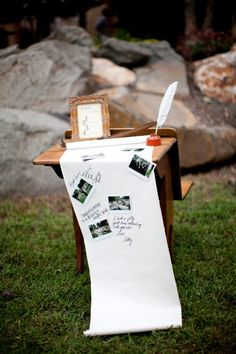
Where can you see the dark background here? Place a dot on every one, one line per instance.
(164, 19)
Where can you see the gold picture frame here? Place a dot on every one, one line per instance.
(89, 117)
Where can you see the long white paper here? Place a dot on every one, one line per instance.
(132, 282)
(106, 142)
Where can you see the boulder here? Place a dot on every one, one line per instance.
(106, 73)
(158, 76)
(122, 52)
(42, 77)
(164, 66)
(23, 136)
(201, 145)
(161, 50)
(216, 76)
(142, 107)
(120, 117)
(13, 49)
(74, 35)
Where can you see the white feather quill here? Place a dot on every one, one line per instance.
(166, 104)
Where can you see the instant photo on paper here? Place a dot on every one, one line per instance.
(119, 204)
(83, 191)
(100, 230)
(141, 167)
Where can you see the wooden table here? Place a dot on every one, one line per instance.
(170, 186)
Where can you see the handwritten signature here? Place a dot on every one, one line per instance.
(128, 240)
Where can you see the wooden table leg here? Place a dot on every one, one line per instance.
(79, 242)
(169, 210)
(164, 187)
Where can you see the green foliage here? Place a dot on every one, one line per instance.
(45, 306)
(124, 35)
(203, 44)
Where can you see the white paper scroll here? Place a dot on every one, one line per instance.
(115, 199)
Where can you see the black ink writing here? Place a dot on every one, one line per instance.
(123, 224)
(131, 222)
(128, 240)
(94, 213)
(74, 178)
(85, 125)
(95, 177)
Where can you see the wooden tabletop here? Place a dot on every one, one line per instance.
(52, 155)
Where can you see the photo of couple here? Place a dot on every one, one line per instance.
(82, 191)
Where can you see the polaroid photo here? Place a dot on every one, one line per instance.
(83, 191)
(119, 204)
(141, 167)
(100, 230)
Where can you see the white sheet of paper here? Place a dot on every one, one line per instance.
(133, 287)
(90, 120)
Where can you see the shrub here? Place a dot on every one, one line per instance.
(203, 44)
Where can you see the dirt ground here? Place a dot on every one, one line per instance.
(221, 174)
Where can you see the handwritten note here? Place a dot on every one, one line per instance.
(122, 224)
(90, 120)
(74, 179)
(95, 212)
(92, 175)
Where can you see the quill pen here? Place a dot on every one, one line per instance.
(166, 104)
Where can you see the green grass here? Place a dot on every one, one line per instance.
(45, 306)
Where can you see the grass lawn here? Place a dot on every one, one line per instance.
(45, 307)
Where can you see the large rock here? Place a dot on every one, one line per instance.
(216, 76)
(161, 50)
(137, 54)
(164, 66)
(120, 117)
(122, 52)
(13, 49)
(202, 145)
(158, 76)
(42, 77)
(106, 73)
(23, 136)
(74, 35)
(142, 107)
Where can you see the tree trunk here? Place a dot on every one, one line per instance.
(190, 18)
(208, 15)
(234, 28)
